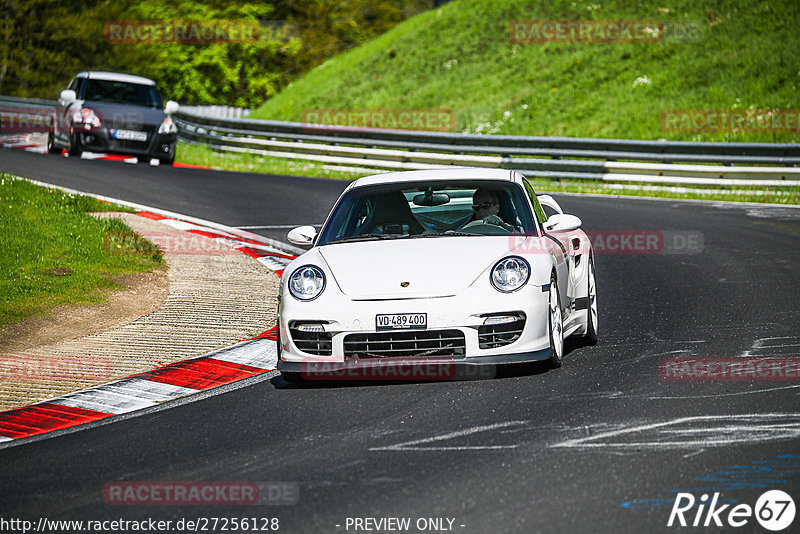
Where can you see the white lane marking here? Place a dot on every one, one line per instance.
(260, 353)
(147, 389)
(3, 438)
(412, 445)
(733, 429)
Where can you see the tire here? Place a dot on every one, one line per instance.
(51, 144)
(590, 337)
(167, 161)
(555, 325)
(74, 145)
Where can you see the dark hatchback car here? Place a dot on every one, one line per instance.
(116, 113)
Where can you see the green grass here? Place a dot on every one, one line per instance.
(771, 195)
(742, 54)
(237, 161)
(53, 250)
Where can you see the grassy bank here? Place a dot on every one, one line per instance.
(244, 162)
(55, 253)
(733, 55)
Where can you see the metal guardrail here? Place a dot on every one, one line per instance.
(618, 160)
(646, 161)
(218, 112)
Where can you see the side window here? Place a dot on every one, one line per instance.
(75, 85)
(540, 215)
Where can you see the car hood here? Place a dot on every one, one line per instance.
(432, 266)
(126, 116)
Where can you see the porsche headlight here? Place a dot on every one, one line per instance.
(510, 274)
(306, 282)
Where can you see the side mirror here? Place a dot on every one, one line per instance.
(550, 202)
(302, 235)
(562, 222)
(67, 96)
(171, 107)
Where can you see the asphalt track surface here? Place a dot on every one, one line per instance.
(601, 445)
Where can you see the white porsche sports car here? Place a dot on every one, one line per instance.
(456, 266)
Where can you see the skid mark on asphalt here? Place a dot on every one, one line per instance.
(695, 432)
(420, 444)
(727, 394)
(774, 347)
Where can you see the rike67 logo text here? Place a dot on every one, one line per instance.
(774, 510)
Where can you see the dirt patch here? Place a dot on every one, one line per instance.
(144, 294)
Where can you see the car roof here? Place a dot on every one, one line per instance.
(461, 173)
(115, 77)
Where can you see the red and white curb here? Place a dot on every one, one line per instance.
(243, 360)
(22, 142)
(272, 257)
(27, 143)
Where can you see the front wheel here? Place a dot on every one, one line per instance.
(74, 145)
(51, 144)
(590, 337)
(555, 325)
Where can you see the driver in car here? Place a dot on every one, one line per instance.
(486, 206)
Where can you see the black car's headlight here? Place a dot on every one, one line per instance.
(307, 282)
(167, 127)
(510, 274)
(89, 118)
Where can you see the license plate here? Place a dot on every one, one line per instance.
(130, 135)
(401, 320)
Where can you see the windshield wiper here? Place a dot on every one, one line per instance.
(443, 234)
(365, 237)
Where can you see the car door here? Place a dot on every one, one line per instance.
(63, 118)
(558, 246)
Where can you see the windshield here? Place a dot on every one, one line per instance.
(429, 209)
(122, 93)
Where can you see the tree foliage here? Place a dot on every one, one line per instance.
(43, 43)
